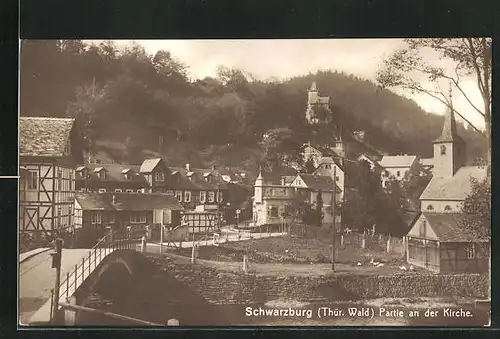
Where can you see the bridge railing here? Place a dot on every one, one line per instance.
(115, 240)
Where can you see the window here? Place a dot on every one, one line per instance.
(118, 190)
(95, 218)
(138, 218)
(102, 190)
(203, 196)
(102, 174)
(219, 198)
(129, 190)
(430, 207)
(470, 251)
(187, 196)
(447, 208)
(178, 195)
(211, 196)
(398, 174)
(273, 212)
(33, 180)
(139, 191)
(337, 178)
(421, 230)
(159, 176)
(443, 149)
(111, 218)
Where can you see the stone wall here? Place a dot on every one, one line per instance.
(220, 287)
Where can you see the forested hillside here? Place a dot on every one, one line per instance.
(129, 105)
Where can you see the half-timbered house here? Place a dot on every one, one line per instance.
(49, 151)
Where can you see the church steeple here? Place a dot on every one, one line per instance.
(449, 133)
(449, 148)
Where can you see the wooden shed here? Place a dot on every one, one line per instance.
(438, 243)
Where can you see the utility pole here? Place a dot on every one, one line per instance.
(56, 263)
(161, 237)
(334, 230)
(218, 207)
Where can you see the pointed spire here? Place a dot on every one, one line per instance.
(449, 132)
(313, 87)
(260, 173)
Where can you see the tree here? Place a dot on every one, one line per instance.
(309, 166)
(300, 210)
(280, 148)
(471, 57)
(476, 209)
(414, 182)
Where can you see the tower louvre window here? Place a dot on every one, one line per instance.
(443, 150)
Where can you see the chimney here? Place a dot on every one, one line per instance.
(188, 168)
(113, 199)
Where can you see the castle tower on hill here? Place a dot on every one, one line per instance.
(318, 107)
(318, 113)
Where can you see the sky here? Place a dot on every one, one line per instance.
(286, 58)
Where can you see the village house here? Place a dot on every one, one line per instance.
(273, 200)
(396, 166)
(106, 178)
(49, 151)
(97, 212)
(436, 240)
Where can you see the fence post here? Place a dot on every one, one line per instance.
(341, 240)
(245, 264)
(143, 244)
(193, 253)
(363, 241)
(388, 247)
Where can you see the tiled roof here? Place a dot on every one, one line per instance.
(127, 201)
(113, 173)
(449, 132)
(44, 136)
(197, 180)
(288, 179)
(148, 165)
(94, 201)
(455, 188)
(447, 227)
(397, 161)
(319, 182)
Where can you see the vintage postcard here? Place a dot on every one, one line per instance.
(328, 182)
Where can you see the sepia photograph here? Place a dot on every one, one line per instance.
(262, 182)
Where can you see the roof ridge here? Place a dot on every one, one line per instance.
(47, 118)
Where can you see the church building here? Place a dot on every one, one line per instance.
(437, 241)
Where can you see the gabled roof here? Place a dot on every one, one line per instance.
(287, 179)
(447, 227)
(455, 188)
(389, 161)
(94, 201)
(319, 182)
(126, 201)
(40, 136)
(149, 165)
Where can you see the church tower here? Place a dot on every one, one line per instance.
(449, 148)
(259, 182)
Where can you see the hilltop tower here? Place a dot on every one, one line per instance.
(449, 148)
(318, 107)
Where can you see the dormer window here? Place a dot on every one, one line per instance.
(127, 173)
(159, 176)
(207, 176)
(175, 175)
(101, 172)
(447, 208)
(190, 175)
(443, 150)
